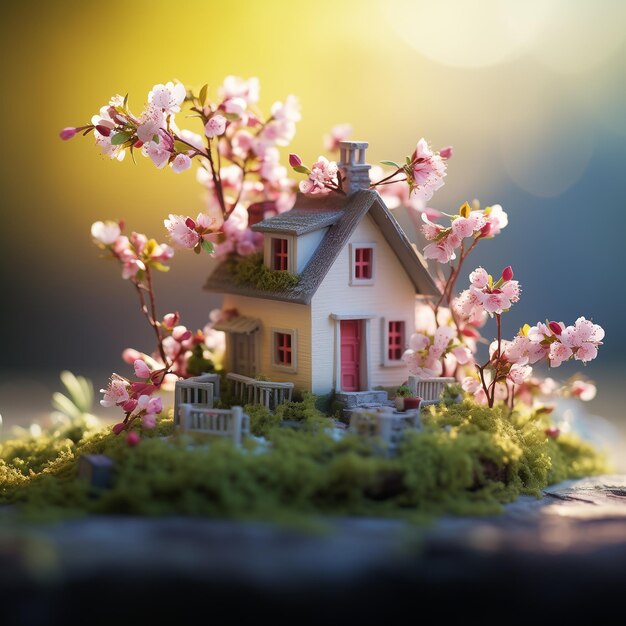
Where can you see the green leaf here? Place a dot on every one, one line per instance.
(119, 138)
(132, 154)
(207, 246)
(390, 163)
(203, 92)
(160, 267)
(179, 146)
(64, 405)
(125, 100)
(408, 160)
(72, 385)
(156, 139)
(302, 169)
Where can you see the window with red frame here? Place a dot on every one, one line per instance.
(283, 348)
(395, 340)
(280, 254)
(363, 263)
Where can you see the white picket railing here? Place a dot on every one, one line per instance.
(252, 391)
(202, 390)
(385, 423)
(232, 423)
(428, 389)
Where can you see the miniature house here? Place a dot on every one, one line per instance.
(345, 325)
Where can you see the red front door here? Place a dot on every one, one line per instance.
(350, 355)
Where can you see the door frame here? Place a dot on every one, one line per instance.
(365, 363)
(253, 342)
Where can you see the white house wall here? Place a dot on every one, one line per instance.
(281, 315)
(391, 297)
(306, 245)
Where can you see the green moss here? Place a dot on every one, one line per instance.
(250, 271)
(466, 460)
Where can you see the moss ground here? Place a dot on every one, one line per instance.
(466, 460)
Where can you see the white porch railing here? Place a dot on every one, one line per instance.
(251, 391)
(385, 423)
(428, 389)
(232, 423)
(202, 390)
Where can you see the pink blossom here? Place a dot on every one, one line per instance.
(337, 134)
(583, 389)
(158, 154)
(148, 421)
(148, 130)
(288, 111)
(446, 153)
(495, 303)
(67, 133)
(188, 233)
(181, 163)
(428, 171)
(236, 87)
(462, 354)
(497, 219)
(155, 405)
(430, 229)
(323, 173)
(479, 278)
(519, 373)
(235, 106)
(215, 126)
(105, 232)
(441, 252)
(558, 353)
(168, 97)
(464, 227)
(511, 290)
(115, 393)
(141, 369)
(443, 336)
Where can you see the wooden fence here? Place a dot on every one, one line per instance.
(252, 391)
(428, 389)
(232, 423)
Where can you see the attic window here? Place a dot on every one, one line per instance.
(280, 254)
(362, 263)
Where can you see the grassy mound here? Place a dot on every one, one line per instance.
(466, 460)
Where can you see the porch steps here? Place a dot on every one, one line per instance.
(362, 399)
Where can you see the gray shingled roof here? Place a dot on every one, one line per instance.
(306, 216)
(350, 212)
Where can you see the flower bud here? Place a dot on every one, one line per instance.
(555, 327)
(189, 223)
(138, 144)
(445, 153)
(132, 439)
(171, 319)
(129, 405)
(295, 160)
(67, 133)
(507, 273)
(118, 428)
(552, 432)
(105, 131)
(486, 230)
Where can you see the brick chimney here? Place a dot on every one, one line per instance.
(352, 166)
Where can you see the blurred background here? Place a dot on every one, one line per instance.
(532, 95)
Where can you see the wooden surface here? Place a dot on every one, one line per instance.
(562, 557)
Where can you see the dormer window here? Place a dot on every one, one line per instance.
(362, 263)
(280, 254)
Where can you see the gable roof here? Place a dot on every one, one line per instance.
(343, 216)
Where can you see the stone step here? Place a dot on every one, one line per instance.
(352, 399)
